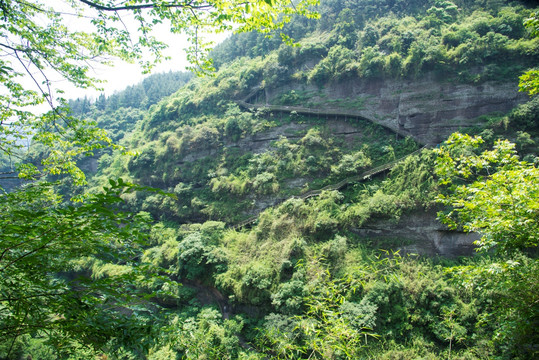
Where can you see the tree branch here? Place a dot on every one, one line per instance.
(46, 244)
(33, 296)
(143, 6)
(18, 333)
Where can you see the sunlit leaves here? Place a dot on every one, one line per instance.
(35, 41)
(492, 193)
(195, 19)
(322, 330)
(529, 82)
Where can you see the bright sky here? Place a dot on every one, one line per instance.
(122, 74)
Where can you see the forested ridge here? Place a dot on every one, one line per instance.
(130, 251)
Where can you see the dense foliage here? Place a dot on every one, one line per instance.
(472, 41)
(71, 271)
(139, 96)
(50, 284)
(300, 280)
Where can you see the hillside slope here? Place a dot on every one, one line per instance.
(356, 94)
(372, 82)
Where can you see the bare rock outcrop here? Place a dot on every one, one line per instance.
(428, 109)
(420, 233)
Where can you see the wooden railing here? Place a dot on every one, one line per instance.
(251, 94)
(315, 112)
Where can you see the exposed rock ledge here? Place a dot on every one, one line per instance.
(428, 109)
(422, 234)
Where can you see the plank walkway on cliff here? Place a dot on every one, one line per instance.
(337, 186)
(314, 112)
(318, 112)
(244, 103)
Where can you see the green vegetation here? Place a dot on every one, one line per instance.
(473, 41)
(529, 82)
(114, 270)
(72, 281)
(67, 272)
(498, 200)
(449, 39)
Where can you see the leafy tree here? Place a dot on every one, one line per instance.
(529, 81)
(67, 271)
(443, 10)
(510, 287)
(497, 195)
(43, 243)
(492, 193)
(337, 65)
(351, 164)
(35, 43)
(208, 337)
(323, 330)
(196, 254)
(524, 116)
(345, 29)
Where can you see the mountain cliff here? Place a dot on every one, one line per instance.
(292, 166)
(356, 94)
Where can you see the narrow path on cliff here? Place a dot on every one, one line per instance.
(208, 295)
(319, 112)
(337, 186)
(244, 103)
(315, 112)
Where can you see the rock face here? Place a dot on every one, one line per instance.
(422, 234)
(262, 141)
(427, 109)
